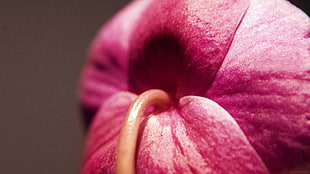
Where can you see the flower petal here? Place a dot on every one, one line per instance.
(175, 45)
(198, 136)
(179, 45)
(264, 83)
(106, 71)
(102, 139)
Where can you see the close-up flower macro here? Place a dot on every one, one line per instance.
(155, 87)
(199, 86)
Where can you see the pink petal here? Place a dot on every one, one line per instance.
(104, 132)
(179, 45)
(264, 83)
(198, 136)
(173, 45)
(106, 71)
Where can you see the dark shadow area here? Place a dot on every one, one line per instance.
(303, 5)
(158, 65)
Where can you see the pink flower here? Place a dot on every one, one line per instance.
(238, 77)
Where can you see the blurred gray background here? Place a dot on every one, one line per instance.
(42, 49)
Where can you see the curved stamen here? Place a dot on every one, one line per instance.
(126, 149)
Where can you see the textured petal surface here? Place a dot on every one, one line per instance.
(252, 59)
(175, 45)
(179, 45)
(264, 83)
(198, 136)
(106, 71)
(102, 139)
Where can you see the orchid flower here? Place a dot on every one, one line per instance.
(199, 86)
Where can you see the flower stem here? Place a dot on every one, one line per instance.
(126, 149)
